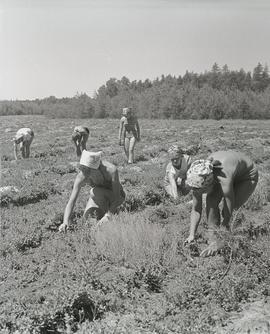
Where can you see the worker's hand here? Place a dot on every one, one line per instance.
(63, 227)
(211, 250)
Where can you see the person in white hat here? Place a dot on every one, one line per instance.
(106, 193)
(23, 138)
(176, 172)
(129, 133)
(226, 175)
(80, 136)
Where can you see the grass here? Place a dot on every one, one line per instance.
(132, 275)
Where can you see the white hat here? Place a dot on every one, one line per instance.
(91, 159)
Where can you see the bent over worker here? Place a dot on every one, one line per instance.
(23, 138)
(226, 175)
(106, 192)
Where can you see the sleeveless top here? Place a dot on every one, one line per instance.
(177, 173)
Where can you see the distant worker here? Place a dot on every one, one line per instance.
(129, 133)
(226, 175)
(106, 193)
(176, 172)
(80, 136)
(23, 138)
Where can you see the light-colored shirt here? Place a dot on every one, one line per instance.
(177, 173)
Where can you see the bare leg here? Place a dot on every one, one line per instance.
(212, 208)
(93, 212)
(78, 149)
(27, 150)
(213, 217)
(22, 149)
(132, 143)
(126, 147)
(97, 204)
(15, 151)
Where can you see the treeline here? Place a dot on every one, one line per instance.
(218, 93)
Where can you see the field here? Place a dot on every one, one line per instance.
(132, 275)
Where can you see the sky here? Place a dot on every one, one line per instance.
(64, 47)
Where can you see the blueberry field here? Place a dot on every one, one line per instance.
(134, 274)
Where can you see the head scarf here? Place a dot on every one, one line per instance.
(23, 134)
(200, 174)
(91, 159)
(18, 138)
(81, 129)
(175, 151)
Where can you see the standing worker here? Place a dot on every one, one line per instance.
(129, 133)
(226, 175)
(23, 138)
(80, 136)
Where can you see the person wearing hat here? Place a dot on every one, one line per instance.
(23, 138)
(176, 172)
(80, 136)
(106, 193)
(226, 175)
(129, 133)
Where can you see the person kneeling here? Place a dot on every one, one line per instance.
(106, 193)
(176, 172)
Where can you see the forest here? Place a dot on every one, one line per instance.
(220, 93)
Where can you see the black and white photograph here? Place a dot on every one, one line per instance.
(135, 167)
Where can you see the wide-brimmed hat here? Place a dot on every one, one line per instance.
(91, 159)
(200, 174)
